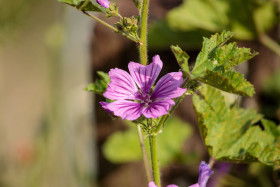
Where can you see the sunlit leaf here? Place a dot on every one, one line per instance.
(214, 65)
(231, 133)
(229, 81)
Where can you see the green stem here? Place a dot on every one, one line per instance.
(143, 32)
(143, 59)
(144, 153)
(100, 21)
(269, 43)
(140, 6)
(154, 159)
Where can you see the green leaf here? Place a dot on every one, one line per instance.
(265, 17)
(100, 85)
(271, 127)
(231, 133)
(125, 147)
(84, 5)
(214, 65)
(253, 17)
(271, 154)
(199, 14)
(215, 52)
(228, 81)
(182, 59)
(171, 140)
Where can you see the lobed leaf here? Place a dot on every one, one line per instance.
(214, 64)
(229, 81)
(231, 133)
(215, 52)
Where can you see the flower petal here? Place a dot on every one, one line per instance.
(158, 108)
(104, 3)
(204, 174)
(104, 105)
(169, 86)
(152, 184)
(122, 85)
(145, 76)
(171, 185)
(125, 109)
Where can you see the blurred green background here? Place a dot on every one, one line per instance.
(53, 133)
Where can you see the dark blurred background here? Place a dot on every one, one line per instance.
(53, 133)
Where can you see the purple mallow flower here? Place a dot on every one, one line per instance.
(104, 3)
(204, 174)
(133, 93)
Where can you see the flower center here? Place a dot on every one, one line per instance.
(144, 98)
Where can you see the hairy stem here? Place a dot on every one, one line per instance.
(144, 153)
(154, 159)
(144, 59)
(143, 32)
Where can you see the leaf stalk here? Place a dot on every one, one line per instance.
(100, 21)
